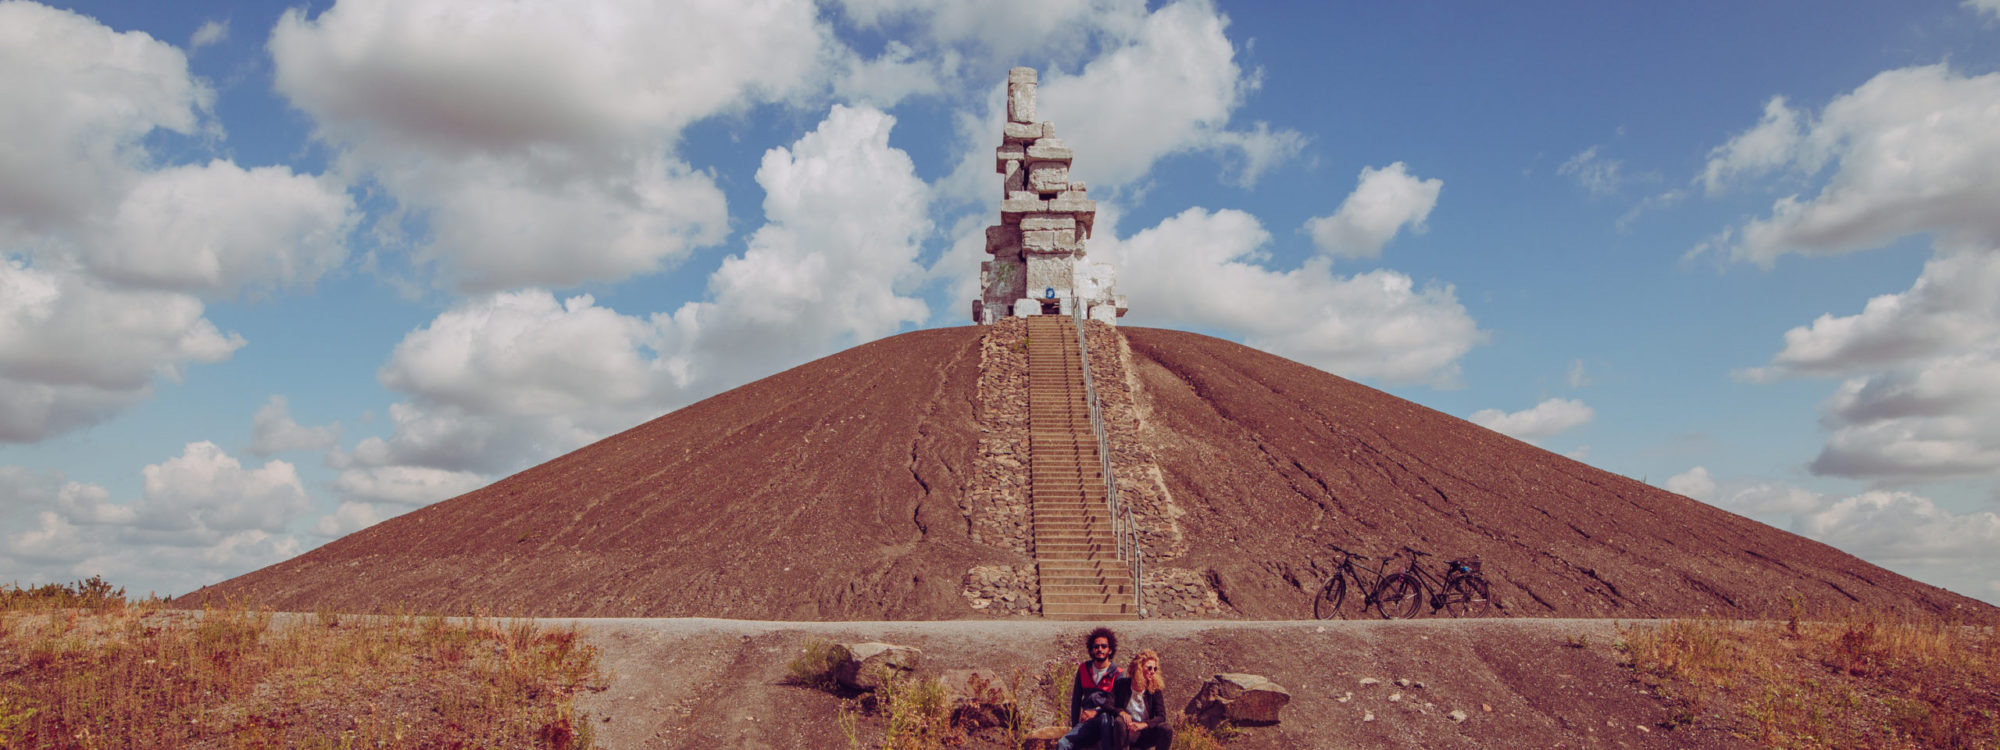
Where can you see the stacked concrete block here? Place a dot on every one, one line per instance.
(1045, 218)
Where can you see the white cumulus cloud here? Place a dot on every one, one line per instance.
(105, 248)
(208, 34)
(1911, 151)
(1169, 88)
(219, 228)
(504, 380)
(1386, 200)
(347, 519)
(1772, 144)
(201, 517)
(1696, 483)
(533, 139)
(407, 486)
(1922, 392)
(207, 488)
(74, 350)
(1546, 419)
(1902, 531)
(80, 97)
(272, 430)
(998, 32)
(1205, 270)
(77, 180)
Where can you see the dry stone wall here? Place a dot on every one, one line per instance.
(1169, 592)
(999, 496)
(1003, 589)
(998, 499)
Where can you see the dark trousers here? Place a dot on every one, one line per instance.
(1153, 738)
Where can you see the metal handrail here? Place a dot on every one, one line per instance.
(1122, 528)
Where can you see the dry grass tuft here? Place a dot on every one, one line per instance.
(1881, 680)
(86, 669)
(1192, 735)
(813, 667)
(917, 714)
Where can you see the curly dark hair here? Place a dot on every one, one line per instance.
(1104, 633)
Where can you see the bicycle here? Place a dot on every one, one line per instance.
(1327, 604)
(1463, 591)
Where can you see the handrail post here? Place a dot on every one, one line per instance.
(1123, 531)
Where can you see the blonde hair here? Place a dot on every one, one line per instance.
(1140, 682)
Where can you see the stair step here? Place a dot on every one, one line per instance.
(1107, 590)
(1106, 556)
(1073, 530)
(1064, 583)
(1104, 550)
(1083, 568)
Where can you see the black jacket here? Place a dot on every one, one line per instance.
(1078, 690)
(1156, 703)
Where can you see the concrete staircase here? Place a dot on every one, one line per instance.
(1075, 553)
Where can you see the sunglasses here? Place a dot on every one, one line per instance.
(1096, 646)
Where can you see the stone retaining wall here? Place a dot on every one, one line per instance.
(998, 498)
(1169, 592)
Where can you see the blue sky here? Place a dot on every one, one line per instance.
(269, 274)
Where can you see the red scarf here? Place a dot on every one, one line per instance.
(1110, 677)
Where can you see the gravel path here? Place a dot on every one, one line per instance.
(697, 682)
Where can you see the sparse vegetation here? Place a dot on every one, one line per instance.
(848, 719)
(1880, 680)
(813, 667)
(92, 593)
(1190, 735)
(916, 713)
(87, 669)
(1059, 686)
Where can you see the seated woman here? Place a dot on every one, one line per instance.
(1141, 701)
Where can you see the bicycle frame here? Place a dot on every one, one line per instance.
(1430, 588)
(1368, 582)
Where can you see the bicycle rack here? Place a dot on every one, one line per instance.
(1122, 527)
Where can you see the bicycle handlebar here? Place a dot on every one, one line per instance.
(1415, 552)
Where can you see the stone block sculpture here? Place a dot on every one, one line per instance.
(1038, 264)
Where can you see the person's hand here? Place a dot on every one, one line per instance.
(1088, 714)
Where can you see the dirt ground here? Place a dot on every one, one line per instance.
(1521, 683)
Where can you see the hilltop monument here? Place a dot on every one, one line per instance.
(1038, 264)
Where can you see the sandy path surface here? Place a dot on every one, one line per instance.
(1541, 683)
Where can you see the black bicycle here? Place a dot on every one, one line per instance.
(1327, 604)
(1462, 592)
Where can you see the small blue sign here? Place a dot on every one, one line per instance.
(1048, 292)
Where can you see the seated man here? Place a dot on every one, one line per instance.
(1092, 717)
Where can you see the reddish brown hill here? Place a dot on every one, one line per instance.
(1281, 459)
(839, 490)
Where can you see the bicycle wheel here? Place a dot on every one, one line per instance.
(1398, 597)
(1466, 597)
(1326, 605)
